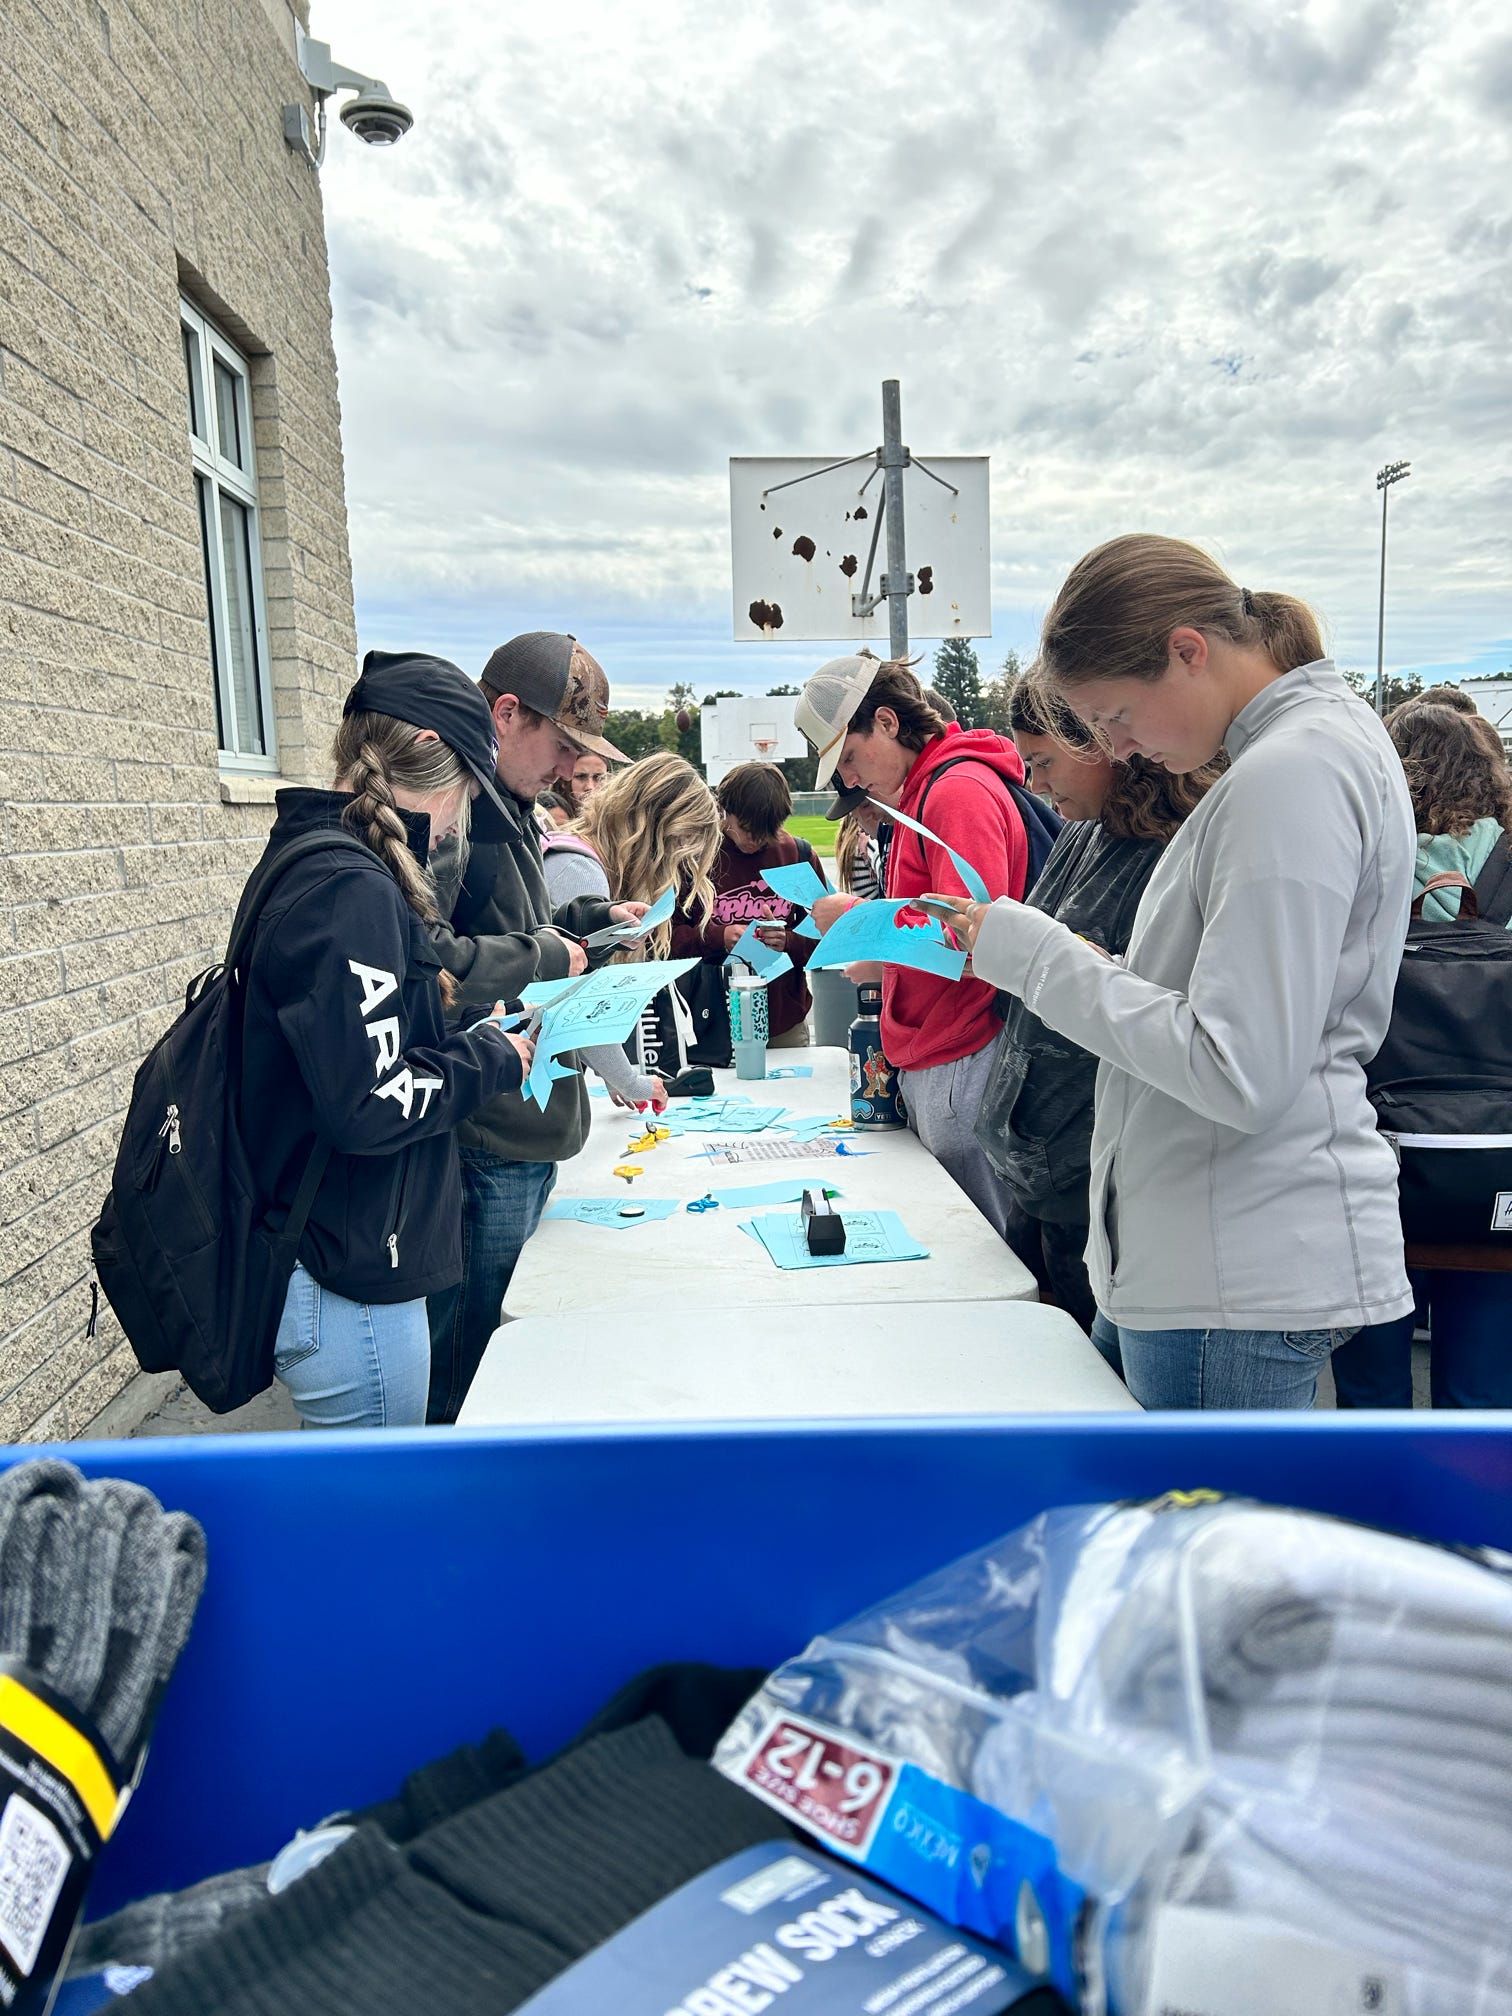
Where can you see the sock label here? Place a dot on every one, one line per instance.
(59, 1801)
(783, 1927)
(975, 1866)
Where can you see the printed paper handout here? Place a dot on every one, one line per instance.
(876, 930)
(976, 887)
(778, 1148)
(610, 1211)
(869, 1236)
(599, 1007)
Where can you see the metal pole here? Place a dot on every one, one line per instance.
(1381, 621)
(895, 583)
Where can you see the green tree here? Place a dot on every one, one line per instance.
(633, 731)
(958, 676)
(783, 692)
(995, 695)
(1397, 689)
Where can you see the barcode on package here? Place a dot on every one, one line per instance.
(34, 1863)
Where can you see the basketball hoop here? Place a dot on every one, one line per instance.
(765, 749)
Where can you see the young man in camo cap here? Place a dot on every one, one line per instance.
(549, 699)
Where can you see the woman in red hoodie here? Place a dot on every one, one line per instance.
(875, 729)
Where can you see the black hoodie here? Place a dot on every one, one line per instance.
(344, 1038)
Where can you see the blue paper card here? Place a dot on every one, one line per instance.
(800, 884)
(873, 931)
(626, 934)
(748, 1195)
(769, 965)
(609, 1211)
(598, 1007)
(793, 1071)
(869, 1236)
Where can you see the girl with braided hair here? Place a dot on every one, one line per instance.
(344, 1044)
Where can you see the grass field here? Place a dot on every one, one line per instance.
(819, 833)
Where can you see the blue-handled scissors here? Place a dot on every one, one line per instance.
(705, 1203)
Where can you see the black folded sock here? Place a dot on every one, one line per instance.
(484, 1909)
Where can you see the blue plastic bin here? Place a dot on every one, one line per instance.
(375, 1599)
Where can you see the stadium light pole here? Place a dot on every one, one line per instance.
(1394, 472)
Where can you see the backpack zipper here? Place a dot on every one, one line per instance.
(169, 1131)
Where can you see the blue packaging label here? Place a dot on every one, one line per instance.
(948, 1849)
(780, 1925)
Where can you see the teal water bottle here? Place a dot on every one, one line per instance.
(875, 1101)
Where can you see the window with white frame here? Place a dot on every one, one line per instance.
(225, 483)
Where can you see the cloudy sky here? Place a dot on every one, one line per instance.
(1193, 266)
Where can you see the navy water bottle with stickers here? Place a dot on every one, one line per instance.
(875, 1100)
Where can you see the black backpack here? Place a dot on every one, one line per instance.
(1442, 1083)
(181, 1248)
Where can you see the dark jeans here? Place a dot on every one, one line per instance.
(1056, 1255)
(1470, 1360)
(502, 1204)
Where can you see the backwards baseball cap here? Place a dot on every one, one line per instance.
(845, 801)
(824, 709)
(433, 693)
(550, 672)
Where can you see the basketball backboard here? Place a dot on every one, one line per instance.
(799, 550)
(745, 729)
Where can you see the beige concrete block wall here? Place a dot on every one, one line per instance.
(141, 155)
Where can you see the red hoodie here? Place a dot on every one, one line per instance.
(926, 1020)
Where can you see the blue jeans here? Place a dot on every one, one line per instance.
(1470, 1360)
(1217, 1368)
(502, 1204)
(352, 1364)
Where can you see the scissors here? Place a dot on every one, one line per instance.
(705, 1203)
(629, 1170)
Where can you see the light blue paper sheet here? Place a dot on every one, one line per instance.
(599, 1007)
(869, 1236)
(969, 876)
(870, 931)
(769, 965)
(605, 1211)
(793, 1071)
(745, 1196)
(626, 934)
(801, 884)
(805, 928)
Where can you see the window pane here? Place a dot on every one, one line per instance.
(202, 494)
(243, 670)
(191, 373)
(228, 415)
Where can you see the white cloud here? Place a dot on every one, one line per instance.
(1175, 266)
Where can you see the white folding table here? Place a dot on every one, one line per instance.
(666, 1268)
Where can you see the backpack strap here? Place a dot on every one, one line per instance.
(1034, 816)
(1469, 903)
(1493, 885)
(805, 850)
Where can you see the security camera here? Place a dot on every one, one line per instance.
(376, 118)
(374, 115)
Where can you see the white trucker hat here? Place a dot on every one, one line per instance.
(825, 708)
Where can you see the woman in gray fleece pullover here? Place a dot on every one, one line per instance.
(1244, 1208)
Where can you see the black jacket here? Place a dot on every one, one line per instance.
(1035, 1120)
(498, 942)
(344, 1037)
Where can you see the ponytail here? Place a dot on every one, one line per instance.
(1116, 610)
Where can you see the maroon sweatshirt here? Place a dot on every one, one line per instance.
(740, 897)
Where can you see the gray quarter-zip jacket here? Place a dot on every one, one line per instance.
(1238, 1180)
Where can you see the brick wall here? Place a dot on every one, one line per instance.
(141, 154)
